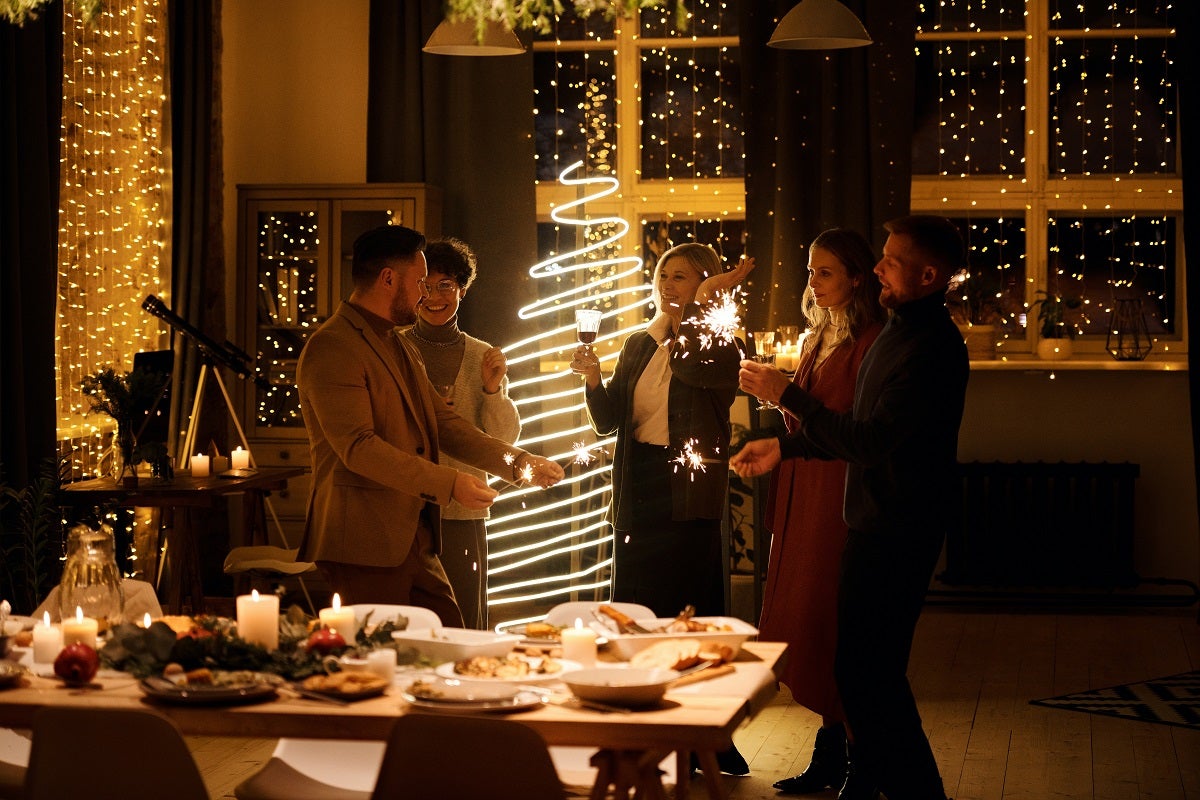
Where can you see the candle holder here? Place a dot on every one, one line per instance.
(1128, 338)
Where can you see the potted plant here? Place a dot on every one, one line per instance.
(122, 396)
(975, 302)
(1055, 331)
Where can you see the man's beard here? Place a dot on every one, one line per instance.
(402, 312)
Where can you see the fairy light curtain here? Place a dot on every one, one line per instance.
(828, 141)
(113, 222)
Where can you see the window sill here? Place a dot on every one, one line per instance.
(1032, 363)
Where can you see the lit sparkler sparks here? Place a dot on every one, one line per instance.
(721, 320)
(689, 458)
(583, 453)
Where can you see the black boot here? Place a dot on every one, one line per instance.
(827, 769)
(730, 761)
(857, 786)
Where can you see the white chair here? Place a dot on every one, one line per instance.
(270, 560)
(466, 756)
(567, 613)
(315, 769)
(328, 769)
(418, 618)
(126, 753)
(14, 759)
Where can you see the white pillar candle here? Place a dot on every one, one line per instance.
(199, 465)
(240, 458)
(47, 641)
(80, 629)
(258, 619)
(579, 644)
(340, 619)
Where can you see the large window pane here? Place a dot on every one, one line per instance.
(969, 116)
(575, 112)
(704, 18)
(970, 15)
(1112, 106)
(726, 236)
(1104, 259)
(691, 122)
(1066, 14)
(992, 289)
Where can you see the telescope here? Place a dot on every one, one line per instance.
(226, 354)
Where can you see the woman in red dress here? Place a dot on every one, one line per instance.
(804, 512)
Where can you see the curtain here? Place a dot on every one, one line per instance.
(463, 124)
(828, 138)
(1189, 135)
(197, 243)
(31, 110)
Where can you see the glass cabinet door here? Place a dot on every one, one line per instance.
(290, 245)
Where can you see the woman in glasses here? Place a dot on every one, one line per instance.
(470, 375)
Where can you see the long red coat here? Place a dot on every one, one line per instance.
(804, 515)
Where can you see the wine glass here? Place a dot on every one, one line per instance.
(446, 391)
(764, 353)
(587, 325)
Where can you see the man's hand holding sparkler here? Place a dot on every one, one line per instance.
(528, 468)
(757, 457)
(713, 285)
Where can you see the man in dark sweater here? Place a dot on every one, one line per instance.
(900, 443)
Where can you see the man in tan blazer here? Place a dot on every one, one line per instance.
(376, 428)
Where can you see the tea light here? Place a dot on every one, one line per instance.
(80, 629)
(47, 640)
(258, 619)
(240, 458)
(579, 644)
(340, 619)
(199, 465)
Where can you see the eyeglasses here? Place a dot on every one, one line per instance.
(441, 287)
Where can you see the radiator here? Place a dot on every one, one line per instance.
(1043, 526)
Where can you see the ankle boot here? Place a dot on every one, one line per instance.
(857, 786)
(827, 769)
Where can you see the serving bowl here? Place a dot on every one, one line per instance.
(732, 632)
(456, 644)
(620, 686)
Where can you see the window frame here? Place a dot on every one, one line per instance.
(1040, 195)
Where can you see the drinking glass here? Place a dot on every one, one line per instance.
(587, 325)
(764, 353)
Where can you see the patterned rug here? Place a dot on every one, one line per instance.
(1173, 700)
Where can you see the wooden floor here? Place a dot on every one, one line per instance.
(974, 673)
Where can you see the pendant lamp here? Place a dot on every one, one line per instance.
(819, 25)
(458, 38)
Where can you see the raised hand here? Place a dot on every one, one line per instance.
(714, 284)
(764, 381)
(585, 362)
(493, 368)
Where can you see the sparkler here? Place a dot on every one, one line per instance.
(689, 458)
(583, 453)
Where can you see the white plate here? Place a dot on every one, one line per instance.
(449, 690)
(621, 687)
(625, 645)
(447, 671)
(522, 701)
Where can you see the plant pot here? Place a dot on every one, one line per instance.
(1054, 349)
(980, 340)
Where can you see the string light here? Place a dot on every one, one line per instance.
(113, 224)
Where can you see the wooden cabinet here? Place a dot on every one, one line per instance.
(294, 255)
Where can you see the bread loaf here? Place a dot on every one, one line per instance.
(668, 654)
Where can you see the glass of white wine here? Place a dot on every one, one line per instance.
(764, 353)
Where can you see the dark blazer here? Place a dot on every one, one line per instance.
(376, 429)
(703, 384)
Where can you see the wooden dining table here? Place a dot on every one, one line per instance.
(699, 718)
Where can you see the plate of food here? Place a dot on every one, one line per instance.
(346, 686)
(10, 673)
(463, 697)
(512, 668)
(637, 634)
(545, 634)
(212, 687)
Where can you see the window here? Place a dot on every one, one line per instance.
(1051, 139)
